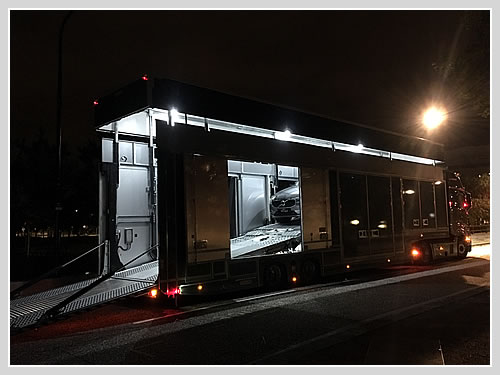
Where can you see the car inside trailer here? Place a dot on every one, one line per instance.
(264, 204)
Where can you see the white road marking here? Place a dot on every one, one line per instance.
(321, 292)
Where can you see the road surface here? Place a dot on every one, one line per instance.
(425, 315)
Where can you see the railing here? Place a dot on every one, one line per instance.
(17, 291)
(51, 313)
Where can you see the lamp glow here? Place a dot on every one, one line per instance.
(433, 117)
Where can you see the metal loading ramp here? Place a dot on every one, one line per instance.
(26, 311)
(268, 239)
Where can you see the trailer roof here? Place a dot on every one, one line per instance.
(168, 94)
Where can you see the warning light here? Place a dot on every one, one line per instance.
(153, 293)
(415, 252)
(294, 279)
(173, 292)
(467, 238)
(199, 287)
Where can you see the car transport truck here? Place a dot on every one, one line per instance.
(197, 172)
(202, 192)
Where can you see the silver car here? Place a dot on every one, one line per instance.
(285, 204)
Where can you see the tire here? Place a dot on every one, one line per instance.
(309, 272)
(273, 276)
(427, 257)
(462, 250)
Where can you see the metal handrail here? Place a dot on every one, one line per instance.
(52, 312)
(15, 292)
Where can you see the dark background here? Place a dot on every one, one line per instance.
(377, 67)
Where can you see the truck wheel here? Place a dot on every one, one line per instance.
(309, 271)
(462, 250)
(273, 276)
(427, 257)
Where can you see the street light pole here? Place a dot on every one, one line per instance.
(59, 137)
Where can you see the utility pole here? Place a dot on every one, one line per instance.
(59, 138)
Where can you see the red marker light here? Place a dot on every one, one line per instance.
(145, 77)
(96, 102)
(466, 204)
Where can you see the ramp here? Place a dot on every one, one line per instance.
(26, 311)
(268, 239)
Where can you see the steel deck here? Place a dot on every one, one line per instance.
(26, 311)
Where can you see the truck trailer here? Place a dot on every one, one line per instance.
(196, 175)
(202, 192)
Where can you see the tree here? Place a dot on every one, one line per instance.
(464, 80)
(477, 182)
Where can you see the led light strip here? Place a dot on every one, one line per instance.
(286, 135)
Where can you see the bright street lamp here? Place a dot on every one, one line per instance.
(433, 117)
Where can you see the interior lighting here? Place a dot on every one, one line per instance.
(358, 148)
(354, 222)
(409, 192)
(174, 115)
(438, 182)
(283, 136)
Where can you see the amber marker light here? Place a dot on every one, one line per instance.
(294, 279)
(415, 252)
(153, 293)
(199, 287)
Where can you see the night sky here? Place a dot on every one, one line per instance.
(376, 67)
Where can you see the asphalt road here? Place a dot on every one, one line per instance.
(411, 316)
